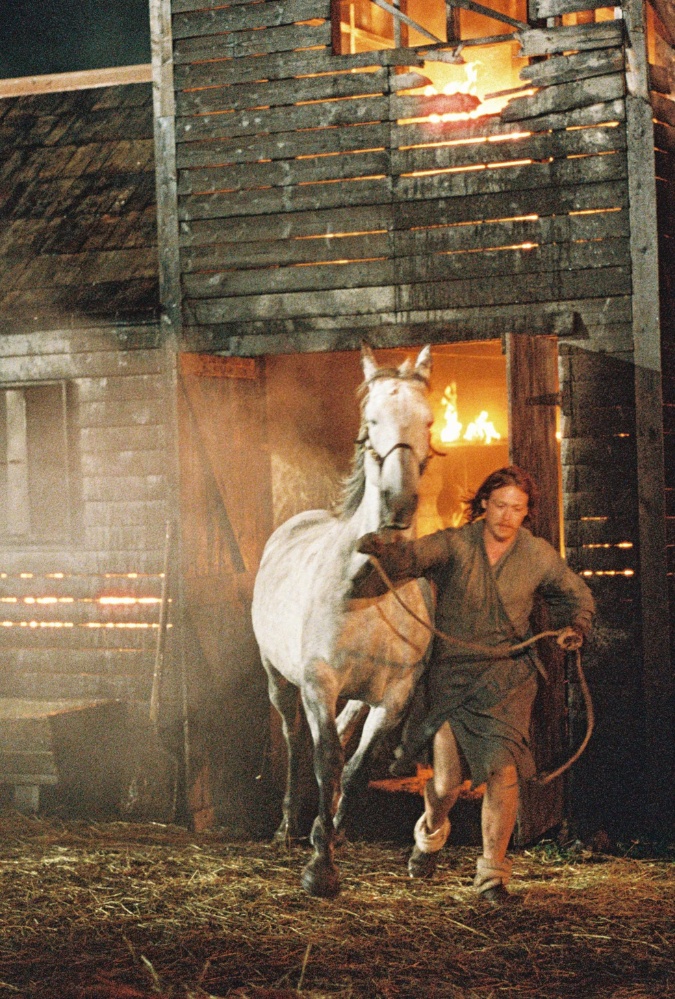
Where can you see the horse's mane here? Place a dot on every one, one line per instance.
(354, 484)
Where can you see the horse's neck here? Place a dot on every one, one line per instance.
(366, 518)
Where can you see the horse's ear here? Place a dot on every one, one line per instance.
(368, 362)
(423, 363)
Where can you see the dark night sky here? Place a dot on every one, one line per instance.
(59, 36)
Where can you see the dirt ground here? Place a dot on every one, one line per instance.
(119, 911)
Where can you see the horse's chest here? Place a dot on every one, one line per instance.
(379, 642)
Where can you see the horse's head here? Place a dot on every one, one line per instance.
(396, 435)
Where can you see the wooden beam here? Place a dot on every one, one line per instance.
(540, 9)
(657, 680)
(87, 79)
(495, 15)
(400, 16)
(572, 38)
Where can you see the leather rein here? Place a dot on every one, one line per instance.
(498, 652)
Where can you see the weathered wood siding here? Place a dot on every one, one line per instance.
(78, 232)
(79, 305)
(663, 103)
(313, 211)
(78, 646)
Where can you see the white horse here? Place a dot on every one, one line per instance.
(315, 638)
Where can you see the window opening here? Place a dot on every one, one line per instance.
(485, 60)
(34, 463)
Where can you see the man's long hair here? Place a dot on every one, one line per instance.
(512, 475)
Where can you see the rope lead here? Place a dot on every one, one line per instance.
(498, 652)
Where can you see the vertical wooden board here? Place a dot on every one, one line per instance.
(226, 518)
(230, 415)
(532, 367)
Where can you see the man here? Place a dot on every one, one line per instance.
(487, 573)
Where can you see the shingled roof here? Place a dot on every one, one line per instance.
(78, 233)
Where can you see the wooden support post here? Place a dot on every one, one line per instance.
(170, 298)
(657, 676)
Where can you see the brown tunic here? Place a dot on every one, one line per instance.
(488, 702)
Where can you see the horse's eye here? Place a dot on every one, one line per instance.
(372, 423)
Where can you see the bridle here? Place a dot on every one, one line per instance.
(380, 459)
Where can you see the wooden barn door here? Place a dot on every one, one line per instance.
(532, 371)
(226, 519)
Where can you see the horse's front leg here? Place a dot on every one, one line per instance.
(319, 696)
(284, 697)
(355, 774)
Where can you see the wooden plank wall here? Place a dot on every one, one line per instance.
(314, 212)
(78, 232)
(79, 304)
(662, 82)
(60, 636)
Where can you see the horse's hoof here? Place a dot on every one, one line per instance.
(321, 880)
(286, 835)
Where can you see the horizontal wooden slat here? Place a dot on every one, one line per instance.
(124, 463)
(539, 9)
(252, 338)
(664, 109)
(237, 45)
(570, 68)
(97, 364)
(423, 295)
(70, 342)
(537, 146)
(565, 96)
(107, 663)
(586, 171)
(664, 137)
(62, 640)
(662, 79)
(327, 114)
(103, 390)
(578, 37)
(97, 440)
(443, 239)
(77, 586)
(280, 93)
(81, 613)
(443, 267)
(310, 197)
(139, 487)
(247, 17)
(287, 66)
(281, 145)
(183, 6)
(115, 413)
(80, 560)
(283, 173)
(289, 251)
(370, 107)
(286, 145)
(287, 173)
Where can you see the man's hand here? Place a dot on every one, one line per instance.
(570, 639)
(372, 544)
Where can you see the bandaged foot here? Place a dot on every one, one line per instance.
(490, 874)
(430, 842)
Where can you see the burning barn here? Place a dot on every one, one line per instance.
(495, 179)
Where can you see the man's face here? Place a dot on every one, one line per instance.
(505, 510)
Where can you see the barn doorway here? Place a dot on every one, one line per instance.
(261, 440)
